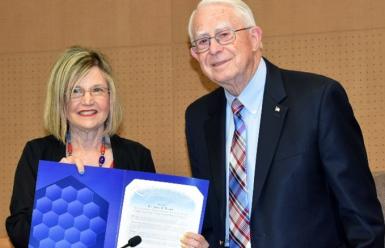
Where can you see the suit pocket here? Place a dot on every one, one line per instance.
(283, 156)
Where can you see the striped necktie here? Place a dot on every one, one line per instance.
(238, 205)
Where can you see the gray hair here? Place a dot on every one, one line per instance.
(241, 8)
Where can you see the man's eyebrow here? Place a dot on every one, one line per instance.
(202, 34)
(217, 29)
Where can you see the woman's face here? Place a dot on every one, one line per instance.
(89, 103)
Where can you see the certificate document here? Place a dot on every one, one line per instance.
(159, 212)
(108, 207)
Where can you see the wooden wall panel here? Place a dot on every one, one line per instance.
(22, 78)
(181, 13)
(146, 42)
(189, 84)
(292, 17)
(45, 25)
(145, 88)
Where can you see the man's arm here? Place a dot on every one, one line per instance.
(345, 161)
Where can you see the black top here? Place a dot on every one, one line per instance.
(127, 154)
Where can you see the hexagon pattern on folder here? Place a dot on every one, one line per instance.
(68, 214)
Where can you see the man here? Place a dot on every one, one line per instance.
(282, 150)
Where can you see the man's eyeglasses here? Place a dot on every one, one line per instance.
(223, 37)
(78, 92)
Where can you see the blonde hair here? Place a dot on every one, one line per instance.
(71, 66)
(241, 8)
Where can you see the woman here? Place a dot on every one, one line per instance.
(82, 115)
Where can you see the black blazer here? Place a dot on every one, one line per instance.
(127, 155)
(312, 187)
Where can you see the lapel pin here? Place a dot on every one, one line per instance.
(277, 109)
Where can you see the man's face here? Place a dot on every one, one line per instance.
(232, 65)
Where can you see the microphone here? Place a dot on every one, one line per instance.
(134, 241)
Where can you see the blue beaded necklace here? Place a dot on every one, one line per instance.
(102, 158)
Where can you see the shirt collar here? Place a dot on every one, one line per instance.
(252, 94)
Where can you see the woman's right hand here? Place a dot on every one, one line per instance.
(73, 160)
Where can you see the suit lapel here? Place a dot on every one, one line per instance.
(216, 145)
(272, 121)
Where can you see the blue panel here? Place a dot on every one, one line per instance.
(63, 244)
(47, 243)
(97, 225)
(72, 235)
(44, 205)
(91, 210)
(88, 238)
(80, 245)
(84, 195)
(68, 214)
(82, 222)
(66, 220)
(50, 219)
(69, 193)
(53, 192)
(59, 206)
(75, 208)
(40, 231)
(56, 233)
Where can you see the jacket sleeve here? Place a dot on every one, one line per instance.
(18, 223)
(147, 162)
(345, 161)
(191, 122)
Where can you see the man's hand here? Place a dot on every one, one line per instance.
(193, 240)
